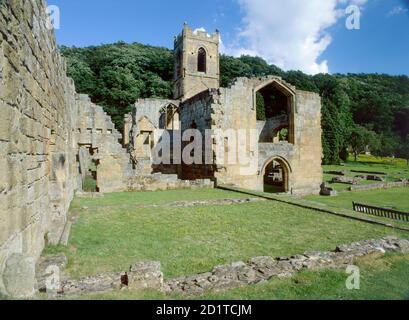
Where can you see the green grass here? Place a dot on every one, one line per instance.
(195, 239)
(157, 198)
(382, 278)
(116, 230)
(394, 169)
(90, 184)
(397, 199)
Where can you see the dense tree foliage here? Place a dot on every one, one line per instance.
(361, 139)
(116, 75)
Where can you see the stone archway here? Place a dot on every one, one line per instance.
(276, 176)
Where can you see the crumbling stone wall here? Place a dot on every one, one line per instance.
(196, 113)
(144, 134)
(43, 125)
(236, 148)
(301, 155)
(37, 106)
(96, 132)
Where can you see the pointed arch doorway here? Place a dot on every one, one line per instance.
(276, 176)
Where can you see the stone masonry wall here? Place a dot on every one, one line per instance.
(37, 121)
(96, 131)
(196, 113)
(43, 124)
(188, 81)
(236, 110)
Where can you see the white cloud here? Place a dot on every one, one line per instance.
(397, 11)
(291, 34)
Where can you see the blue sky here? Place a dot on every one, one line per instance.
(307, 35)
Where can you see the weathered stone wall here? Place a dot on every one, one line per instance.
(196, 113)
(307, 171)
(37, 105)
(145, 134)
(261, 269)
(267, 128)
(386, 185)
(301, 155)
(96, 132)
(43, 124)
(235, 112)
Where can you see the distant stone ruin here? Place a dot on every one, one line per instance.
(52, 139)
(283, 152)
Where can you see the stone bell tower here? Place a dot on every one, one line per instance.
(196, 62)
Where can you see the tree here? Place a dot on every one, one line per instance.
(115, 75)
(387, 147)
(403, 150)
(361, 139)
(336, 118)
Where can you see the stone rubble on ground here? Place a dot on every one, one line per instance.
(146, 275)
(44, 268)
(19, 276)
(327, 191)
(345, 180)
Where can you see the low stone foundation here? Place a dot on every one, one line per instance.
(259, 269)
(156, 182)
(386, 185)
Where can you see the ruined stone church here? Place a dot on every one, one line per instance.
(285, 155)
(51, 138)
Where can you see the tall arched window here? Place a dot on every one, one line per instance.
(201, 60)
(179, 63)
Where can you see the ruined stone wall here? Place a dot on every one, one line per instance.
(127, 129)
(96, 132)
(302, 156)
(234, 111)
(37, 135)
(196, 113)
(43, 124)
(267, 129)
(146, 118)
(307, 170)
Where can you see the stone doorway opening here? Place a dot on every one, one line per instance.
(276, 177)
(88, 168)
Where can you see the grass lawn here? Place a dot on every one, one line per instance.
(397, 199)
(382, 278)
(394, 169)
(156, 198)
(112, 232)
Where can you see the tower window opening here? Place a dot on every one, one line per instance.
(201, 60)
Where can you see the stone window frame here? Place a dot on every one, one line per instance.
(165, 111)
(291, 94)
(202, 52)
